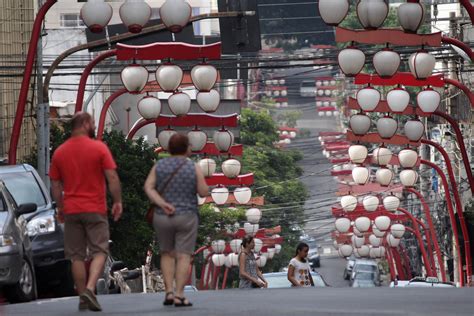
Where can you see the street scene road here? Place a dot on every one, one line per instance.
(284, 302)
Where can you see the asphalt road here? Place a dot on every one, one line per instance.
(311, 301)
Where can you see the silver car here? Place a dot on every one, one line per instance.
(308, 88)
(17, 275)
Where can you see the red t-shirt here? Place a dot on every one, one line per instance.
(79, 164)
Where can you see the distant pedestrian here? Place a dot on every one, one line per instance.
(172, 185)
(299, 271)
(249, 273)
(79, 170)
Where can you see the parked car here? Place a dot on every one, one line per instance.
(17, 274)
(314, 257)
(365, 279)
(45, 232)
(350, 264)
(280, 280)
(428, 282)
(308, 88)
(365, 265)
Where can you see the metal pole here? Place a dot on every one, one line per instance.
(460, 139)
(434, 238)
(417, 233)
(459, 209)
(452, 217)
(105, 108)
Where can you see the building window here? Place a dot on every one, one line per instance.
(71, 20)
(197, 24)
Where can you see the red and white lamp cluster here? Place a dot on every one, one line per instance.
(135, 14)
(277, 89)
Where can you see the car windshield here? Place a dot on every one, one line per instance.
(365, 267)
(364, 276)
(308, 84)
(281, 280)
(24, 188)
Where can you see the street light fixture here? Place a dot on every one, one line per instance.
(411, 15)
(179, 103)
(372, 13)
(169, 77)
(149, 107)
(96, 14)
(134, 78)
(135, 14)
(333, 12)
(208, 101)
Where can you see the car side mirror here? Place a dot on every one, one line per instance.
(117, 265)
(26, 208)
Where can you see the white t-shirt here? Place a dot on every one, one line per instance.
(302, 272)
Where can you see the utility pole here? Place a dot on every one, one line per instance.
(42, 116)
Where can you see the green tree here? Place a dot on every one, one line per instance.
(257, 128)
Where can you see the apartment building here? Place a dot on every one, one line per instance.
(16, 20)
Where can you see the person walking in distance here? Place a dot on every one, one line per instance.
(172, 186)
(299, 271)
(78, 173)
(249, 273)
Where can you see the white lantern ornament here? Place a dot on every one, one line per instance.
(351, 61)
(333, 12)
(342, 224)
(231, 168)
(169, 77)
(358, 153)
(372, 13)
(134, 78)
(361, 175)
(204, 77)
(414, 130)
(179, 103)
(357, 241)
(368, 98)
(398, 100)
(208, 101)
(382, 223)
(261, 261)
(428, 100)
(392, 241)
(345, 250)
(384, 176)
(218, 260)
(208, 166)
(223, 140)
(220, 195)
(408, 177)
(164, 137)
(258, 245)
(382, 156)
(243, 195)
(421, 64)
(408, 158)
(235, 245)
(391, 203)
(374, 240)
(386, 63)
(251, 229)
(135, 14)
(377, 232)
(149, 107)
(397, 230)
(362, 224)
(349, 203)
(218, 246)
(359, 124)
(371, 203)
(387, 127)
(363, 251)
(175, 14)
(410, 16)
(197, 139)
(96, 14)
(253, 215)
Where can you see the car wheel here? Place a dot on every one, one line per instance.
(25, 289)
(67, 286)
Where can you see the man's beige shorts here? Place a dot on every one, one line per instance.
(85, 235)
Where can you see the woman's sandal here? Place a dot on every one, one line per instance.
(182, 302)
(168, 301)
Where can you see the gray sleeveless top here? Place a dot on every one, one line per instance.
(181, 191)
(250, 268)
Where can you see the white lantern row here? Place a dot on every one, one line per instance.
(218, 246)
(96, 14)
(251, 229)
(349, 203)
(370, 203)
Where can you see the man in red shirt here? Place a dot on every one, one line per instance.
(78, 171)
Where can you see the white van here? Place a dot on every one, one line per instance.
(308, 88)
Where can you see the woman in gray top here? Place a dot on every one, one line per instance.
(249, 273)
(172, 185)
